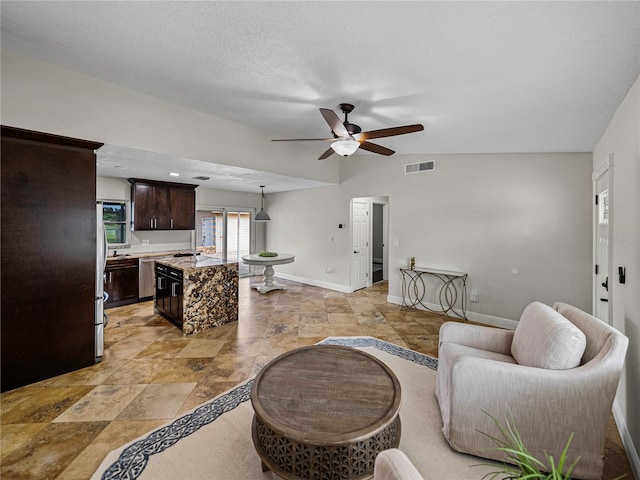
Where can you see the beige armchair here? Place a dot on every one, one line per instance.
(393, 464)
(557, 373)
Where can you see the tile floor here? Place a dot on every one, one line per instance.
(62, 428)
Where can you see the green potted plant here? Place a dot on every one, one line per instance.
(521, 464)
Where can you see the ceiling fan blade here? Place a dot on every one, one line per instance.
(326, 154)
(375, 148)
(334, 122)
(390, 132)
(304, 140)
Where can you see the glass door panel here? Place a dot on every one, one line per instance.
(238, 238)
(210, 233)
(225, 235)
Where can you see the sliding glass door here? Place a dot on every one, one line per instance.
(238, 238)
(225, 234)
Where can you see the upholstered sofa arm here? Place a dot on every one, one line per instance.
(484, 338)
(393, 464)
(538, 398)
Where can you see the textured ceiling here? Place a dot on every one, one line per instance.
(483, 77)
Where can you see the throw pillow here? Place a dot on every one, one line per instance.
(544, 338)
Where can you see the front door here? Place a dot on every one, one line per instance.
(602, 246)
(360, 244)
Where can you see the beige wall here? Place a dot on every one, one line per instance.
(482, 214)
(39, 96)
(622, 139)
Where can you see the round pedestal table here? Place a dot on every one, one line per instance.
(268, 283)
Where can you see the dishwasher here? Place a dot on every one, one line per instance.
(146, 283)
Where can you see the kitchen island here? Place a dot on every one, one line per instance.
(196, 292)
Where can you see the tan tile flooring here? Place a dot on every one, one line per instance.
(63, 427)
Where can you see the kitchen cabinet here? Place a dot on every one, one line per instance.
(162, 205)
(121, 281)
(49, 251)
(169, 293)
(196, 293)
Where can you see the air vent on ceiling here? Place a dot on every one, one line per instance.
(419, 167)
(202, 178)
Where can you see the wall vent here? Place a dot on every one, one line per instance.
(420, 167)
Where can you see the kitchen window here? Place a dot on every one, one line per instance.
(114, 217)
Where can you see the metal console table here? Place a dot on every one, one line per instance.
(414, 289)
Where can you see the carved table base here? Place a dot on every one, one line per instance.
(295, 460)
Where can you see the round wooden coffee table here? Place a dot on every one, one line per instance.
(324, 412)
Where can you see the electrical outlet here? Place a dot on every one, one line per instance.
(474, 296)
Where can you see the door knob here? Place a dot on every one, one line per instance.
(355, 251)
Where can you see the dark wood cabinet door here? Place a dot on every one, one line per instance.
(176, 301)
(142, 198)
(162, 289)
(183, 208)
(121, 282)
(162, 203)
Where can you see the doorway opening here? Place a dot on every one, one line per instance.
(369, 234)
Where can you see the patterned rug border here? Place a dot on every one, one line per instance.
(134, 458)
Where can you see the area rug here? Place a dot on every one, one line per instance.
(213, 441)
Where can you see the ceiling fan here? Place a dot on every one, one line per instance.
(348, 137)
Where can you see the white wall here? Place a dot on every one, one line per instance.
(109, 188)
(622, 138)
(482, 214)
(42, 97)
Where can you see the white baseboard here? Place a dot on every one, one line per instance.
(627, 441)
(316, 283)
(474, 317)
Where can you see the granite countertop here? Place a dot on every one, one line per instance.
(188, 263)
(165, 253)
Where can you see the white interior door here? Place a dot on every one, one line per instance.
(602, 245)
(360, 261)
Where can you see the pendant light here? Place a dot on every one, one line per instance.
(262, 216)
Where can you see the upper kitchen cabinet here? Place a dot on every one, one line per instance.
(162, 205)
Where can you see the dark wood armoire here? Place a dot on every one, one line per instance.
(48, 259)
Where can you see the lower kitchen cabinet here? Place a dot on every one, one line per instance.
(169, 293)
(121, 282)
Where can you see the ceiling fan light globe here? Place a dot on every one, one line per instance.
(345, 147)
